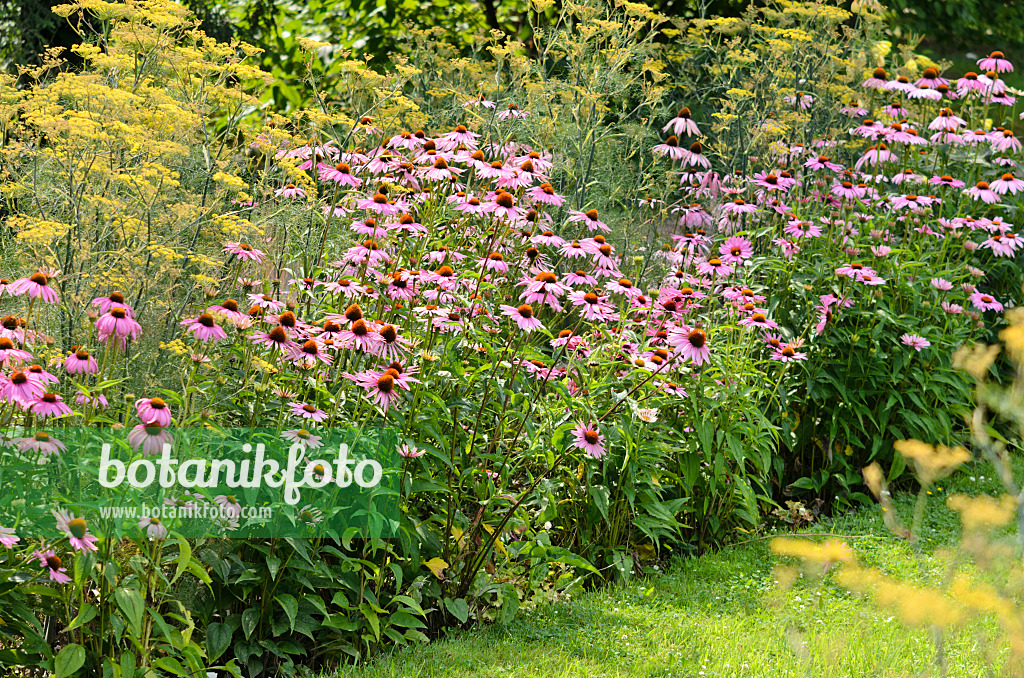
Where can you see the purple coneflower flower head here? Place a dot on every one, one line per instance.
(229, 505)
(915, 342)
(996, 61)
(81, 362)
(682, 124)
(787, 353)
(76, 531)
(150, 439)
(8, 538)
(52, 564)
(243, 251)
(306, 411)
(303, 439)
(589, 439)
(49, 405)
(10, 354)
(982, 191)
(204, 328)
(41, 443)
(290, 191)
(153, 411)
(524, 317)
(36, 286)
(118, 324)
(153, 527)
(985, 302)
(111, 300)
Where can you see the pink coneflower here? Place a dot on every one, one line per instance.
(266, 302)
(985, 302)
(941, 284)
(996, 61)
(930, 78)
(915, 342)
(714, 267)
(823, 162)
(410, 452)
(802, 229)
(589, 439)
(592, 306)
(692, 344)
(341, 174)
(10, 354)
(99, 401)
(682, 124)
(110, 301)
(504, 206)
(875, 155)
(759, 319)
(513, 112)
(153, 528)
(787, 354)
(305, 411)
(309, 352)
(982, 191)
(735, 250)
(695, 157)
(204, 328)
(946, 180)
(76, 531)
(149, 439)
(8, 538)
(51, 562)
(952, 309)
(799, 99)
(20, 387)
(290, 191)
(545, 194)
(360, 337)
(739, 206)
(911, 202)
(1007, 183)
(670, 148)
(878, 80)
(49, 405)
(589, 219)
(80, 362)
(303, 438)
(495, 261)
(35, 286)
(153, 411)
(243, 251)
(623, 286)
(854, 270)
(380, 386)
(229, 505)
(277, 338)
(523, 315)
(118, 324)
(41, 443)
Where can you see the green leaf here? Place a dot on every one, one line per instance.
(68, 660)
(250, 618)
(290, 607)
(218, 639)
(184, 558)
(131, 603)
(458, 608)
(85, 615)
(273, 565)
(372, 618)
(171, 665)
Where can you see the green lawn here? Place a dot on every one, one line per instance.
(718, 615)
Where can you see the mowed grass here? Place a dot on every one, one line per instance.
(723, 614)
